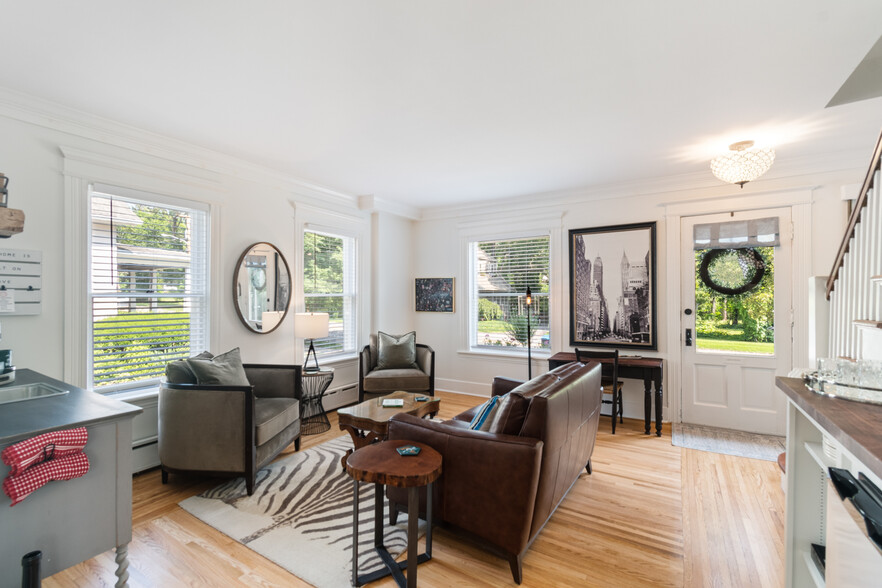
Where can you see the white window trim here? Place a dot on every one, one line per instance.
(353, 293)
(143, 174)
(517, 226)
(311, 218)
(139, 197)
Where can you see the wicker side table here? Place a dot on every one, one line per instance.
(313, 419)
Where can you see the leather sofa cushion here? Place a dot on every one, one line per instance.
(566, 369)
(538, 384)
(509, 417)
(272, 416)
(397, 379)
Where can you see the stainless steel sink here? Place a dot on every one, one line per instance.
(29, 392)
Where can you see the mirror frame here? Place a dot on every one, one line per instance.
(236, 296)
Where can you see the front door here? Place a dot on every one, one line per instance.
(735, 320)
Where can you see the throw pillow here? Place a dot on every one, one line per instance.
(509, 415)
(221, 370)
(179, 372)
(396, 352)
(484, 416)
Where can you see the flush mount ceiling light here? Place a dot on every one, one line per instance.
(743, 163)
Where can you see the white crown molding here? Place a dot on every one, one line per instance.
(51, 115)
(779, 178)
(371, 203)
(316, 216)
(772, 198)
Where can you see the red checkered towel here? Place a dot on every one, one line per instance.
(66, 468)
(24, 454)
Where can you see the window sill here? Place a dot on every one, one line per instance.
(133, 395)
(519, 355)
(334, 360)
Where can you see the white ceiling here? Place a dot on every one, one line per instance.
(434, 103)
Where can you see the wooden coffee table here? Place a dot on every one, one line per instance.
(381, 464)
(368, 421)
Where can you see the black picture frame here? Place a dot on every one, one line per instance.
(605, 309)
(434, 295)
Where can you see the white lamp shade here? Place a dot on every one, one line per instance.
(311, 325)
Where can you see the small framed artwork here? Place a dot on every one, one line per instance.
(612, 286)
(434, 294)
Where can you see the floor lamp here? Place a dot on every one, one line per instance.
(311, 325)
(529, 346)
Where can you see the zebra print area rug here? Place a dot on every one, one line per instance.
(300, 516)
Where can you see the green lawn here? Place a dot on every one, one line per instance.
(737, 346)
(492, 327)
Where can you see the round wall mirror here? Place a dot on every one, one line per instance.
(262, 288)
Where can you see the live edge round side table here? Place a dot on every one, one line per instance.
(313, 419)
(381, 464)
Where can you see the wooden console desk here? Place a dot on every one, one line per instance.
(648, 369)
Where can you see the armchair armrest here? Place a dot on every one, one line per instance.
(488, 481)
(205, 427)
(425, 358)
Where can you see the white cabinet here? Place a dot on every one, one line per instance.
(822, 433)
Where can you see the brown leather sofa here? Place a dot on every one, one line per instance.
(501, 488)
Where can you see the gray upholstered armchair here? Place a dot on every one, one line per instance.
(230, 430)
(374, 379)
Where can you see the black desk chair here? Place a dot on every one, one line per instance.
(609, 379)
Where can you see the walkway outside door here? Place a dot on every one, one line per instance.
(734, 344)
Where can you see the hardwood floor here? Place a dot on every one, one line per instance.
(650, 514)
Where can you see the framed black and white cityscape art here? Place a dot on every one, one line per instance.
(612, 286)
(434, 294)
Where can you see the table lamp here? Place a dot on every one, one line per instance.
(311, 325)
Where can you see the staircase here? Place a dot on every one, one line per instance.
(854, 287)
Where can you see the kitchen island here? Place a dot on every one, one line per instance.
(825, 432)
(74, 520)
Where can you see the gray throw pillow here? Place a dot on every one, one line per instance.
(396, 352)
(179, 372)
(221, 370)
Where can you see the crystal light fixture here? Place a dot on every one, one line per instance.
(743, 163)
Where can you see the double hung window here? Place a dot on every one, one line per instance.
(148, 286)
(329, 285)
(501, 271)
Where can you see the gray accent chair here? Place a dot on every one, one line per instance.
(230, 430)
(373, 382)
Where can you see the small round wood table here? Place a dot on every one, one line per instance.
(381, 464)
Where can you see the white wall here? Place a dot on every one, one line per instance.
(392, 271)
(438, 246)
(253, 204)
(248, 205)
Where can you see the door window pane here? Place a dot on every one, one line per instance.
(735, 323)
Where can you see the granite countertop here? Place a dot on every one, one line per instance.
(856, 425)
(20, 420)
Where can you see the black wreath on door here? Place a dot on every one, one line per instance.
(753, 268)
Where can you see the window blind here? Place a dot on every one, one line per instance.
(757, 232)
(501, 272)
(329, 285)
(148, 288)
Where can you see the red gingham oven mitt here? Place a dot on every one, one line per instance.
(66, 468)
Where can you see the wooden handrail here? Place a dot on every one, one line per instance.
(855, 216)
